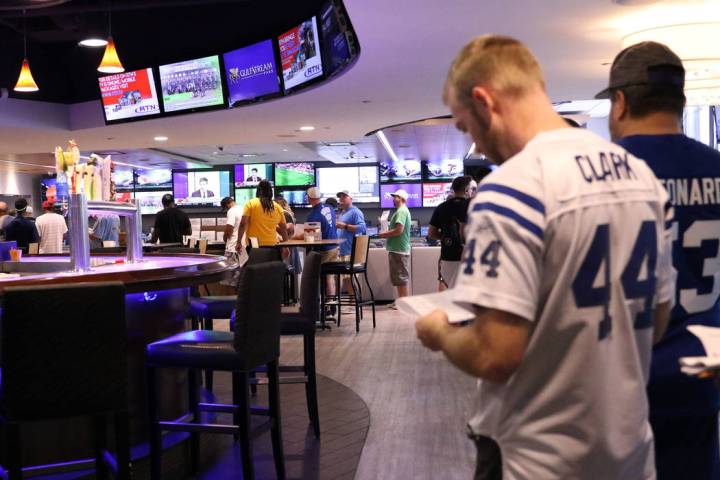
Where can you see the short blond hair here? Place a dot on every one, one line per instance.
(503, 63)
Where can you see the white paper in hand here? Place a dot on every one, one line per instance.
(709, 337)
(419, 305)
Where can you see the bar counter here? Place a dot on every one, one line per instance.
(156, 307)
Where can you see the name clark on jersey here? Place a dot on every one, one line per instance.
(693, 191)
(604, 167)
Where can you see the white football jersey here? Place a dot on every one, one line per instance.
(571, 235)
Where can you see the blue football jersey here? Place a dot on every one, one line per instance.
(690, 172)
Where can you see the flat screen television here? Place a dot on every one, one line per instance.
(153, 178)
(123, 180)
(435, 193)
(300, 54)
(48, 189)
(442, 169)
(400, 171)
(242, 195)
(251, 73)
(297, 174)
(361, 182)
(200, 188)
(123, 196)
(335, 47)
(150, 202)
(296, 198)
(414, 191)
(129, 95)
(250, 174)
(192, 85)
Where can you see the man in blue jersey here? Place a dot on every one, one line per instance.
(646, 91)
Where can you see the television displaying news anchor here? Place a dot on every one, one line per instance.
(203, 191)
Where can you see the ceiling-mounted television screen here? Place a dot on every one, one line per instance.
(192, 84)
(414, 191)
(296, 198)
(361, 182)
(300, 54)
(435, 193)
(200, 188)
(251, 73)
(297, 174)
(129, 95)
(155, 178)
(400, 171)
(123, 180)
(249, 175)
(442, 169)
(335, 46)
(150, 202)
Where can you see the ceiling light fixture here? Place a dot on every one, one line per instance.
(307, 128)
(249, 155)
(25, 82)
(93, 42)
(110, 62)
(160, 138)
(388, 148)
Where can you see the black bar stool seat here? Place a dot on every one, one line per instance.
(202, 349)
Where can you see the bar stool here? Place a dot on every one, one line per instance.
(357, 265)
(61, 360)
(254, 342)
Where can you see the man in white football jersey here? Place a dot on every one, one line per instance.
(567, 265)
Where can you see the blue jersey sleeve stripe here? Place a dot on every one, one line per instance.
(528, 200)
(511, 214)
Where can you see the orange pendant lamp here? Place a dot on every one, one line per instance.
(26, 82)
(110, 62)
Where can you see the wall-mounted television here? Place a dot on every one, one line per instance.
(48, 189)
(361, 182)
(150, 202)
(200, 187)
(297, 174)
(435, 193)
(442, 169)
(251, 73)
(250, 174)
(400, 171)
(296, 198)
(414, 191)
(242, 195)
(123, 180)
(300, 54)
(337, 44)
(123, 196)
(129, 95)
(153, 178)
(192, 85)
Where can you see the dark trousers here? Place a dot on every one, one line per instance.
(686, 447)
(489, 458)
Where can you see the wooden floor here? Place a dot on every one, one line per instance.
(418, 402)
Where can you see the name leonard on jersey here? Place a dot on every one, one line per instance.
(693, 191)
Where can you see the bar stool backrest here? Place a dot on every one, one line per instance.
(178, 250)
(63, 351)
(361, 244)
(257, 317)
(263, 255)
(310, 286)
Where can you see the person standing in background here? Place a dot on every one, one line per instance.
(171, 223)
(52, 228)
(398, 244)
(5, 219)
(232, 227)
(324, 214)
(21, 229)
(448, 225)
(262, 218)
(106, 229)
(293, 256)
(351, 223)
(647, 101)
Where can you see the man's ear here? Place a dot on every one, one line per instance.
(483, 102)
(619, 110)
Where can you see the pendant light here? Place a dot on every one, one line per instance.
(110, 62)
(25, 82)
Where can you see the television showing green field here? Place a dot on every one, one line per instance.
(191, 84)
(298, 174)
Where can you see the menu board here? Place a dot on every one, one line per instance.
(435, 193)
(300, 54)
(129, 95)
(414, 191)
(251, 73)
(191, 84)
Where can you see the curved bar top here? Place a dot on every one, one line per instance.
(155, 272)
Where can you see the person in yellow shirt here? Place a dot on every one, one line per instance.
(262, 218)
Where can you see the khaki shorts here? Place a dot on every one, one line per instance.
(329, 255)
(399, 268)
(449, 272)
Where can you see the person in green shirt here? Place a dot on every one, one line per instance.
(398, 244)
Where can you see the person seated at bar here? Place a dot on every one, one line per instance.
(171, 223)
(22, 230)
(52, 228)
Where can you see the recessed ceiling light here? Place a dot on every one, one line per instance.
(160, 138)
(307, 128)
(215, 152)
(248, 155)
(93, 42)
(285, 149)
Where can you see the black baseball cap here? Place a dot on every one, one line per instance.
(20, 205)
(645, 63)
(225, 203)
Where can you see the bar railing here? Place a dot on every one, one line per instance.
(79, 210)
